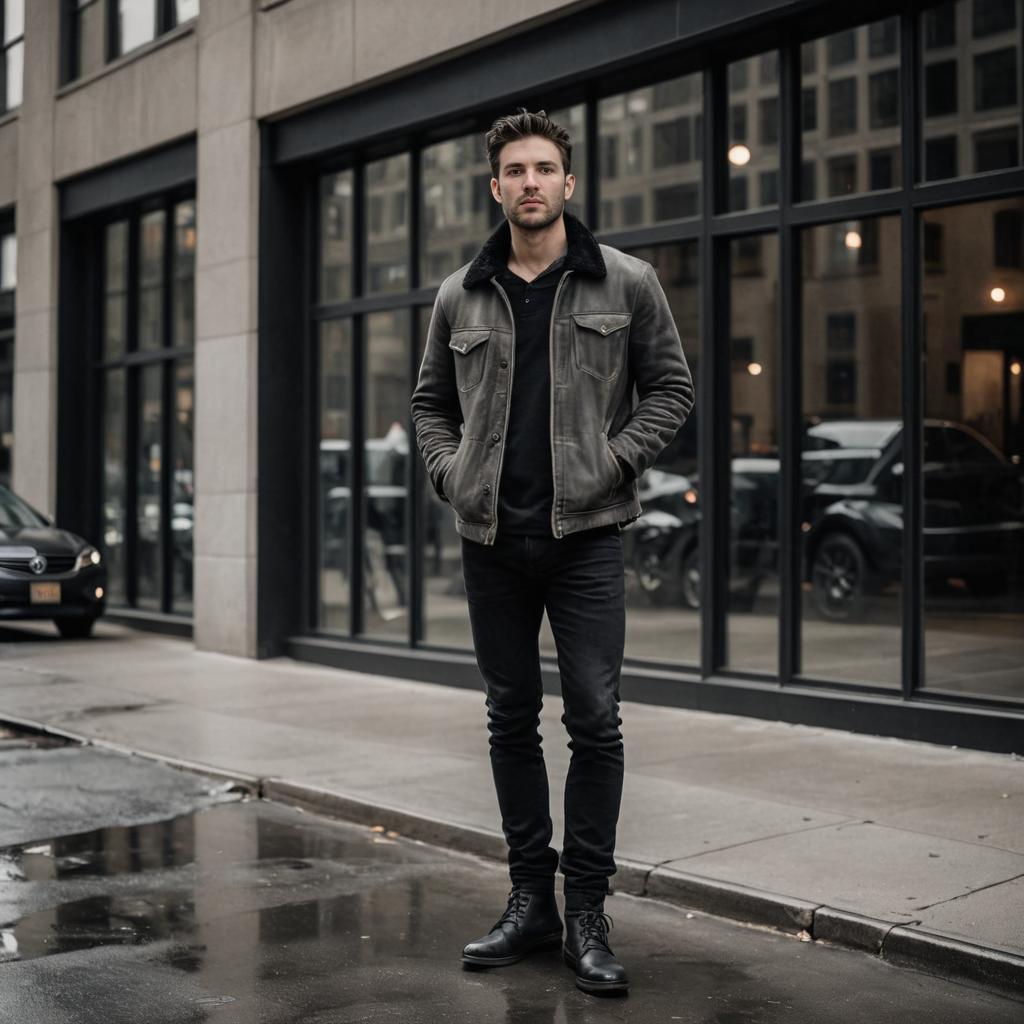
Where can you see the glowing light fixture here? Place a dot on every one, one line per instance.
(739, 154)
(853, 240)
(754, 369)
(997, 294)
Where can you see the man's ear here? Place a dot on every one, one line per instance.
(570, 185)
(495, 190)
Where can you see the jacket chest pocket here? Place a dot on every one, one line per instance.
(599, 343)
(469, 350)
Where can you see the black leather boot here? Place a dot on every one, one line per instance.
(530, 923)
(587, 951)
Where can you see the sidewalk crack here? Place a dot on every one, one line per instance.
(962, 895)
(776, 835)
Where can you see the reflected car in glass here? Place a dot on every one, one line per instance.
(46, 572)
(851, 519)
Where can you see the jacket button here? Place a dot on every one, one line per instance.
(487, 488)
(504, 363)
(495, 436)
(604, 328)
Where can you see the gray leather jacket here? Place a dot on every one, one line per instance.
(611, 329)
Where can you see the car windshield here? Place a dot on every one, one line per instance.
(14, 512)
(843, 452)
(850, 434)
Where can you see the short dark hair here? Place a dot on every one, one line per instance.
(519, 126)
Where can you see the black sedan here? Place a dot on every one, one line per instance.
(47, 573)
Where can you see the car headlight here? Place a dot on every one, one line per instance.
(87, 559)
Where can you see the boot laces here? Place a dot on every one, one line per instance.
(516, 909)
(594, 925)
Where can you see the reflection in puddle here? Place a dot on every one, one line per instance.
(140, 884)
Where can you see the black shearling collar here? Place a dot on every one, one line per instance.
(583, 253)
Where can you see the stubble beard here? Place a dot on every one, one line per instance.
(515, 216)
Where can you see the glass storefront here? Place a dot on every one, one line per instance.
(752, 635)
(973, 530)
(850, 532)
(8, 289)
(147, 395)
(792, 281)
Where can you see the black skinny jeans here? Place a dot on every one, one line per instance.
(579, 580)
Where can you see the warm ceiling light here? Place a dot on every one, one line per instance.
(997, 294)
(1015, 368)
(853, 240)
(754, 369)
(739, 154)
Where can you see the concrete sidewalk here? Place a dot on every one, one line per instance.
(910, 851)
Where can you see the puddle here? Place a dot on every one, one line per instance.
(126, 849)
(92, 888)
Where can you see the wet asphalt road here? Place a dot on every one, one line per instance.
(249, 912)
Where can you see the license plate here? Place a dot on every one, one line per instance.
(44, 593)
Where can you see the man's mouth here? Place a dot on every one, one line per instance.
(532, 202)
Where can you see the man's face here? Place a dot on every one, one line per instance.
(532, 186)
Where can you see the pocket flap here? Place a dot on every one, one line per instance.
(465, 341)
(602, 323)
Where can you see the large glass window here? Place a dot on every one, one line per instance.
(655, 175)
(752, 157)
(135, 23)
(336, 237)
(101, 30)
(8, 285)
(335, 474)
(753, 470)
(661, 553)
(813, 578)
(13, 13)
(86, 27)
(387, 225)
(457, 209)
(147, 391)
(851, 512)
(970, 78)
(151, 280)
(973, 461)
(114, 489)
(445, 615)
(859, 83)
(385, 463)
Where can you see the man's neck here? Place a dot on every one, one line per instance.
(532, 252)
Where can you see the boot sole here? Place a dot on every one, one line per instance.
(552, 941)
(593, 987)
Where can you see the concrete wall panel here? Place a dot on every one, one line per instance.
(304, 49)
(140, 105)
(428, 32)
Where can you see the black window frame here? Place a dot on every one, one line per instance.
(715, 225)
(165, 20)
(133, 361)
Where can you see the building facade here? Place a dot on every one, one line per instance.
(230, 219)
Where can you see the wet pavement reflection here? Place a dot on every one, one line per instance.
(256, 913)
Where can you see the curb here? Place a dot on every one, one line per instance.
(901, 945)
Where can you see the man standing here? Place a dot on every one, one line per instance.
(525, 420)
